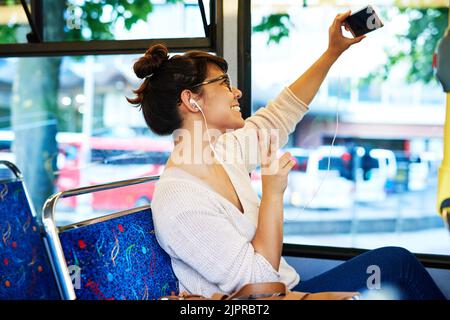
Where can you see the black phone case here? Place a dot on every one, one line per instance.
(363, 21)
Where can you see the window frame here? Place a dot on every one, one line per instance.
(212, 42)
(344, 253)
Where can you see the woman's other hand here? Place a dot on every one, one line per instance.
(274, 172)
(337, 43)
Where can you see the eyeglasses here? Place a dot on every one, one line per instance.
(224, 77)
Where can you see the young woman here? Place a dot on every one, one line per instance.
(207, 217)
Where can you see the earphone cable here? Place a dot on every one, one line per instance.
(331, 148)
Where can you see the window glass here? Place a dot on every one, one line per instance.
(131, 20)
(85, 20)
(81, 130)
(381, 185)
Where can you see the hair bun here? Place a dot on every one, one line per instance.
(151, 61)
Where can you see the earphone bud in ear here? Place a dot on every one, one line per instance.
(196, 106)
(194, 103)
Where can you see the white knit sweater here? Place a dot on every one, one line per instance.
(206, 236)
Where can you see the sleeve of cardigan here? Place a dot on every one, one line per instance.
(281, 114)
(193, 230)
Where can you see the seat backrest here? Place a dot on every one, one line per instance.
(25, 270)
(118, 258)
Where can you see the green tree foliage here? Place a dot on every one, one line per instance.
(91, 27)
(276, 25)
(8, 32)
(91, 11)
(416, 46)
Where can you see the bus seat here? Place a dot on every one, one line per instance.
(25, 270)
(117, 256)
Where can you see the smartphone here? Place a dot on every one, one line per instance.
(363, 21)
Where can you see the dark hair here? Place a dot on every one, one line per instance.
(165, 78)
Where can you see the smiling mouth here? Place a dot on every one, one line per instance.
(235, 108)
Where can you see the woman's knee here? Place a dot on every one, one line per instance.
(393, 253)
(393, 250)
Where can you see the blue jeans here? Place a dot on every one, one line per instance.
(384, 273)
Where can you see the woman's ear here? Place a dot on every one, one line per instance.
(188, 101)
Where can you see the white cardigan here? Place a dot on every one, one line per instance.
(206, 236)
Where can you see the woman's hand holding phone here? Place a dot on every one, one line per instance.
(337, 43)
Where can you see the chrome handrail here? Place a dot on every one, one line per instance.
(52, 242)
(11, 166)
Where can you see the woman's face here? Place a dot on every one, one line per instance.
(219, 101)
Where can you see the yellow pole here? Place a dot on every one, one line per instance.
(444, 170)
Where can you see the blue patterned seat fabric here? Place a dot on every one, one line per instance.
(25, 271)
(119, 259)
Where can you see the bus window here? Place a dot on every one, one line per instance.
(111, 159)
(123, 157)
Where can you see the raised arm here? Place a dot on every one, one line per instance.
(306, 87)
(287, 109)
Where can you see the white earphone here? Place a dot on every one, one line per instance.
(194, 103)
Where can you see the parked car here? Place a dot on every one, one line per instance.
(378, 170)
(320, 178)
(419, 170)
(401, 180)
